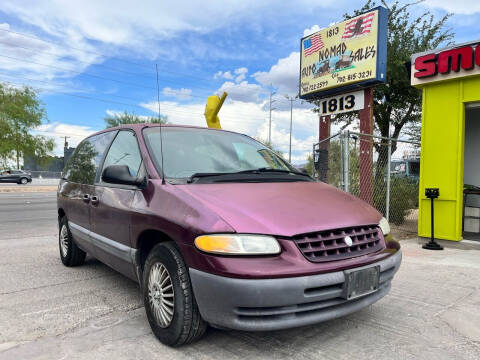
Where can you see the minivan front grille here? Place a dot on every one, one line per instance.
(331, 245)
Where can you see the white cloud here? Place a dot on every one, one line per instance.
(284, 75)
(310, 31)
(241, 73)
(466, 7)
(243, 91)
(223, 75)
(180, 94)
(27, 60)
(238, 75)
(57, 131)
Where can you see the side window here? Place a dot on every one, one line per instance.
(124, 151)
(100, 143)
(84, 163)
(81, 167)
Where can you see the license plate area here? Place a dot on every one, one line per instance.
(361, 282)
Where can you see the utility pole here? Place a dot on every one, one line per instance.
(65, 147)
(270, 121)
(65, 143)
(291, 99)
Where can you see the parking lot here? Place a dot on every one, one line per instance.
(48, 311)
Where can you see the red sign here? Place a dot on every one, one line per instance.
(465, 58)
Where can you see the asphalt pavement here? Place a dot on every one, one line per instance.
(48, 311)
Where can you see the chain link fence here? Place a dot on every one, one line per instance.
(382, 171)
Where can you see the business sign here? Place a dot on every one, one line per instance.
(346, 56)
(342, 103)
(449, 63)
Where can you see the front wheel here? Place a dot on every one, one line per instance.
(24, 181)
(168, 297)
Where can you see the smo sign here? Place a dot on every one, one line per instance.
(450, 63)
(346, 56)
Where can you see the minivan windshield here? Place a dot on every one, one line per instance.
(192, 151)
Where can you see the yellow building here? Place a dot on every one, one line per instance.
(450, 152)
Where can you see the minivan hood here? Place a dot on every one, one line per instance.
(283, 209)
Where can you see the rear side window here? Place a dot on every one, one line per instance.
(124, 151)
(84, 163)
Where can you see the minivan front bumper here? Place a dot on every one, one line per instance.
(273, 304)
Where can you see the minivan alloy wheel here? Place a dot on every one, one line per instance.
(161, 294)
(64, 241)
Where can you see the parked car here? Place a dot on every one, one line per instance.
(408, 167)
(220, 230)
(15, 176)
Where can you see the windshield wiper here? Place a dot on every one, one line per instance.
(251, 171)
(267, 169)
(208, 174)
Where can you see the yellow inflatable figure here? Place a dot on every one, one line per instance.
(214, 103)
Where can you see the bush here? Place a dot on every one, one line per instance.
(403, 197)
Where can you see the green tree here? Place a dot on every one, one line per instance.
(396, 103)
(309, 165)
(21, 112)
(132, 118)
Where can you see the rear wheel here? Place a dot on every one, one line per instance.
(70, 253)
(168, 297)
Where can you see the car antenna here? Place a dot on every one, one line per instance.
(160, 125)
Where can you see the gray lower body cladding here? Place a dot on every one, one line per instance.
(274, 304)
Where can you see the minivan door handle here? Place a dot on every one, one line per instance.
(86, 198)
(94, 200)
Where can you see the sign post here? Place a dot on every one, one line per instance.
(366, 147)
(323, 133)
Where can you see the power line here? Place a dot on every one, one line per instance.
(123, 103)
(80, 73)
(80, 90)
(95, 53)
(183, 112)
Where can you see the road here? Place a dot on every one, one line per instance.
(48, 311)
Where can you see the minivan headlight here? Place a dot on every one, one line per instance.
(238, 244)
(385, 226)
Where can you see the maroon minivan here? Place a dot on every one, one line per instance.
(220, 230)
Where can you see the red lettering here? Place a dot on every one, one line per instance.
(477, 55)
(425, 66)
(453, 59)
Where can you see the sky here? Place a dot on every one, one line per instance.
(89, 59)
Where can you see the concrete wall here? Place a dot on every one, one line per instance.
(471, 170)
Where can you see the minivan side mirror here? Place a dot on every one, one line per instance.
(303, 170)
(119, 174)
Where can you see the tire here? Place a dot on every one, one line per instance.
(23, 181)
(70, 253)
(176, 322)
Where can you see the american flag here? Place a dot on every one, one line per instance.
(359, 26)
(312, 44)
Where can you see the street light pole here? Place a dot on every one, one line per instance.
(291, 99)
(270, 119)
(291, 118)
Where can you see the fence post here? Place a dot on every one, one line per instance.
(346, 161)
(389, 159)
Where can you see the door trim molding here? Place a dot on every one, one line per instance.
(112, 247)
